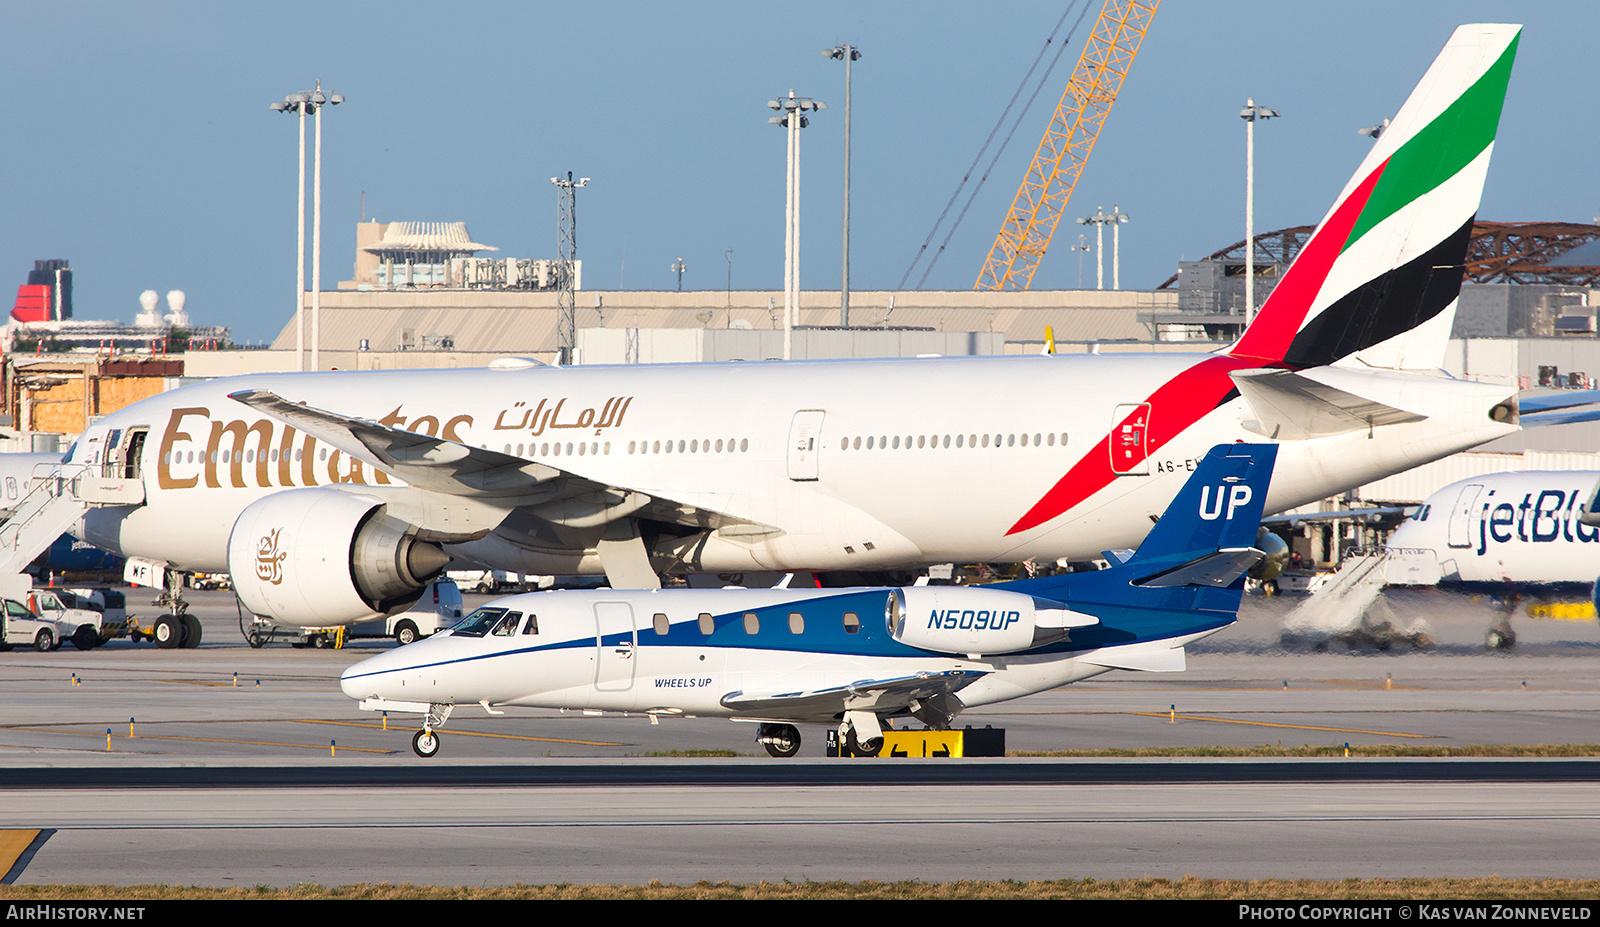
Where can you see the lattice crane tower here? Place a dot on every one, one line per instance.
(1067, 142)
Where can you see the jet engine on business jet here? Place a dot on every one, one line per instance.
(322, 557)
(958, 619)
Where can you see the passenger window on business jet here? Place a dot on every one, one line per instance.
(707, 625)
(661, 624)
(533, 625)
(752, 623)
(797, 623)
(852, 624)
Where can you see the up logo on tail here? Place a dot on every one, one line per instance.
(1232, 496)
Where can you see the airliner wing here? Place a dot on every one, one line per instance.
(452, 468)
(877, 695)
(422, 461)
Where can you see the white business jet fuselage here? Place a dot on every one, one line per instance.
(852, 657)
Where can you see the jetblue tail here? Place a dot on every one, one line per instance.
(1378, 280)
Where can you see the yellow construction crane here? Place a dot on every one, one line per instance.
(1066, 145)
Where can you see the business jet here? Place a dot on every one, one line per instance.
(333, 497)
(855, 658)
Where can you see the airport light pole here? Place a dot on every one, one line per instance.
(301, 104)
(566, 264)
(792, 116)
(678, 268)
(1082, 247)
(296, 103)
(1250, 114)
(1100, 220)
(847, 54)
(1118, 220)
(318, 101)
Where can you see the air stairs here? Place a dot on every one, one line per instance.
(56, 498)
(1347, 609)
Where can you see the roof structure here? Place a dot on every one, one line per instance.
(1498, 252)
(426, 238)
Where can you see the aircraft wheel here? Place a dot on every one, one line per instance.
(44, 641)
(191, 631)
(1498, 639)
(405, 632)
(255, 640)
(863, 747)
(781, 740)
(86, 638)
(425, 744)
(168, 633)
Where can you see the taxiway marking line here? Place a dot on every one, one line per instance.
(203, 740)
(1297, 727)
(457, 733)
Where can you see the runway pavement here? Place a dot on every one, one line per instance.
(249, 767)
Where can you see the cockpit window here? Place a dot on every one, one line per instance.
(507, 626)
(478, 623)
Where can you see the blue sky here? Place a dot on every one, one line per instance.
(140, 145)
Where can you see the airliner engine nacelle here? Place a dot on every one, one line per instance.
(321, 557)
(963, 619)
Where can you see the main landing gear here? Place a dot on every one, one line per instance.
(781, 740)
(179, 628)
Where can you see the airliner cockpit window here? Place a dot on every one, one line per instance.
(478, 623)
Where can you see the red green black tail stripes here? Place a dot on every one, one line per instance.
(1385, 260)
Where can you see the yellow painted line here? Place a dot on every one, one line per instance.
(12, 845)
(203, 740)
(458, 733)
(1297, 727)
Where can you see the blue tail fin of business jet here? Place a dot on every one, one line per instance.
(1217, 512)
(1196, 556)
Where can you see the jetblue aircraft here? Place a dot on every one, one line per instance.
(1501, 531)
(854, 658)
(333, 497)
